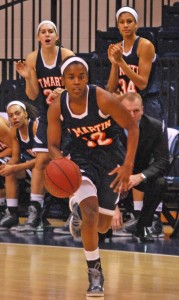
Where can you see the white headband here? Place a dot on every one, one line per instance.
(73, 59)
(16, 102)
(127, 9)
(46, 22)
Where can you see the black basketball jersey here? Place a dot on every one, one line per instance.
(92, 132)
(49, 77)
(28, 143)
(126, 85)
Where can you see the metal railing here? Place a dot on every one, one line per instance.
(77, 21)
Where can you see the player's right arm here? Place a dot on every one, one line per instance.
(5, 138)
(54, 130)
(13, 165)
(7, 169)
(15, 158)
(27, 70)
(112, 85)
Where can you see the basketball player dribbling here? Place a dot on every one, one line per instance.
(89, 113)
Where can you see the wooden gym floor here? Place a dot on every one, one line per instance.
(52, 267)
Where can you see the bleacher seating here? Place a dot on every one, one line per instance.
(150, 33)
(168, 72)
(168, 43)
(99, 70)
(104, 39)
(88, 58)
(170, 17)
(7, 93)
(13, 90)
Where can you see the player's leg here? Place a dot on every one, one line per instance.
(154, 189)
(129, 227)
(89, 235)
(37, 187)
(11, 217)
(37, 193)
(3, 206)
(2, 197)
(89, 227)
(104, 223)
(86, 197)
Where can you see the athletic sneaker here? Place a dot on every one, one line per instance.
(2, 211)
(15, 227)
(123, 232)
(128, 229)
(96, 282)
(65, 230)
(142, 235)
(42, 225)
(33, 220)
(8, 221)
(75, 221)
(40, 228)
(156, 230)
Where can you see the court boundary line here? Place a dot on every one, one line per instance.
(101, 250)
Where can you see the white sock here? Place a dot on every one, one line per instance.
(12, 202)
(38, 198)
(138, 205)
(92, 255)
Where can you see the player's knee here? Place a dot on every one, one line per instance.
(104, 224)
(90, 215)
(104, 228)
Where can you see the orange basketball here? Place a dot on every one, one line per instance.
(62, 177)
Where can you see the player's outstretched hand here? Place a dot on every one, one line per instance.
(117, 220)
(121, 181)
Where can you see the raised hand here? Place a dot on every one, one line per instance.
(23, 69)
(115, 53)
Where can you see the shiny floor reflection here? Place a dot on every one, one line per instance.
(164, 245)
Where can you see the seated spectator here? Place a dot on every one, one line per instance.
(151, 164)
(23, 122)
(5, 153)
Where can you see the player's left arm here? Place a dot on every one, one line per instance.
(146, 54)
(54, 130)
(110, 105)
